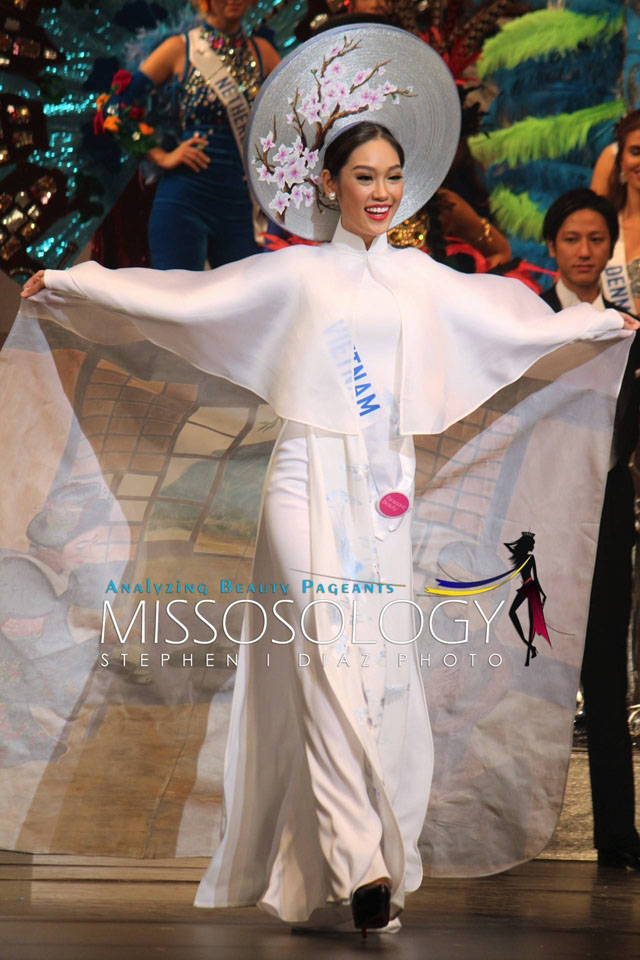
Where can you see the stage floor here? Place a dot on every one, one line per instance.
(563, 910)
(562, 907)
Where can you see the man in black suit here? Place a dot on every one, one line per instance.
(581, 229)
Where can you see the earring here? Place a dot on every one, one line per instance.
(622, 177)
(332, 195)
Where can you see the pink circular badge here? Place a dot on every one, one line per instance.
(393, 504)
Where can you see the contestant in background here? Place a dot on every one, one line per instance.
(202, 211)
(357, 347)
(617, 176)
(581, 230)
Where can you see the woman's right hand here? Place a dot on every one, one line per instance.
(33, 285)
(629, 323)
(190, 153)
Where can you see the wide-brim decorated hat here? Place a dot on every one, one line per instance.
(344, 76)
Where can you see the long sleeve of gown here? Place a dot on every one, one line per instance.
(474, 334)
(243, 322)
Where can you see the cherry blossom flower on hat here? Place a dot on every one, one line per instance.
(280, 202)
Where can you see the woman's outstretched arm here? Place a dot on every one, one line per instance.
(234, 322)
(241, 291)
(251, 322)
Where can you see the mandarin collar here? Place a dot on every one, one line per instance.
(345, 240)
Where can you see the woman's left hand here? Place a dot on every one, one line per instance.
(629, 323)
(33, 285)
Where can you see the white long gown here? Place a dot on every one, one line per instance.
(354, 769)
(329, 762)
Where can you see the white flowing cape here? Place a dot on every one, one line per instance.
(280, 327)
(502, 446)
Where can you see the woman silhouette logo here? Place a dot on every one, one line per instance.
(522, 557)
(523, 563)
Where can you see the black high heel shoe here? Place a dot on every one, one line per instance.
(371, 904)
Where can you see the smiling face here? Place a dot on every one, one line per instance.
(582, 248)
(369, 189)
(630, 160)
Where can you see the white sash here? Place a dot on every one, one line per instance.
(615, 279)
(391, 459)
(215, 75)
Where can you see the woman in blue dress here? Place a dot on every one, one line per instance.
(202, 211)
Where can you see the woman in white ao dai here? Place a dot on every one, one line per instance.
(358, 733)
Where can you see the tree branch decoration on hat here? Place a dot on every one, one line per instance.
(332, 96)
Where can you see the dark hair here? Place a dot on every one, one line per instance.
(575, 200)
(340, 149)
(521, 548)
(618, 190)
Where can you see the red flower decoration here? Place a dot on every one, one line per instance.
(98, 123)
(136, 113)
(121, 81)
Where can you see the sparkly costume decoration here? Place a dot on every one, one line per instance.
(239, 58)
(48, 75)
